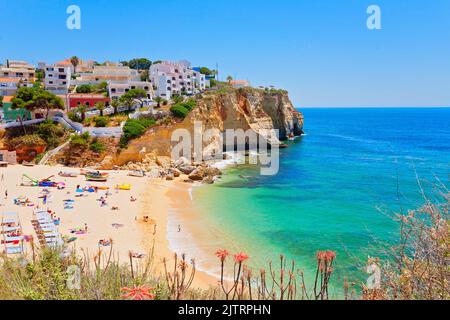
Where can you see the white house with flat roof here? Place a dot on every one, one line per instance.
(119, 88)
(19, 70)
(170, 78)
(57, 78)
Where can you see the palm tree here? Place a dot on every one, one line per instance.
(229, 79)
(115, 104)
(100, 107)
(82, 109)
(127, 101)
(158, 100)
(75, 61)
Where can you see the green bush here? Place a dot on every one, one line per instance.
(80, 140)
(179, 111)
(74, 116)
(97, 146)
(134, 128)
(84, 88)
(29, 140)
(101, 121)
(51, 133)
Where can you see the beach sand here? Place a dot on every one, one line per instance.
(155, 198)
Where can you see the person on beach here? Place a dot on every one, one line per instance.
(154, 229)
(6, 194)
(179, 228)
(85, 227)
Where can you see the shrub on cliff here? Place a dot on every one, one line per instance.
(134, 128)
(97, 146)
(29, 140)
(80, 141)
(179, 111)
(51, 133)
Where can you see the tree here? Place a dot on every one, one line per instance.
(144, 75)
(136, 94)
(176, 98)
(34, 99)
(100, 107)
(75, 61)
(82, 109)
(127, 101)
(139, 64)
(84, 88)
(207, 72)
(115, 104)
(158, 100)
(1, 101)
(229, 79)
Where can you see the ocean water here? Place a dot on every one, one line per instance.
(336, 190)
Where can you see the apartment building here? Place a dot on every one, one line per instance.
(117, 88)
(110, 73)
(57, 78)
(19, 70)
(9, 86)
(170, 78)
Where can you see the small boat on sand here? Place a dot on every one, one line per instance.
(97, 177)
(67, 174)
(136, 173)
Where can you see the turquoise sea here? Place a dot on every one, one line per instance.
(336, 190)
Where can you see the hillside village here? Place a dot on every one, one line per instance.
(93, 106)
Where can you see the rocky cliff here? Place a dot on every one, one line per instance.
(246, 108)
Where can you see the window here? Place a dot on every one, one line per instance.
(146, 88)
(61, 70)
(88, 104)
(168, 81)
(133, 87)
(169, 88)
(113, 90)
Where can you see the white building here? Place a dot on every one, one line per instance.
(119, 88)
(19, 70)
(9, 86)
(170, 78)
(57, 78)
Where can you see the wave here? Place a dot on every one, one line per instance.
(356, 139)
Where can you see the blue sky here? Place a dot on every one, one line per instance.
(319, 50)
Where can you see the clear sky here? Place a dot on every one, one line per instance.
(319, 50)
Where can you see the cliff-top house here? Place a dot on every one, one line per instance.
(170, 78)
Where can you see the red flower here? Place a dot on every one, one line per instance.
(222, 254)
(138, 293)
(240, 257)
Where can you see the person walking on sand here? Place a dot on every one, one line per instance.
(154, 229)
(3, 177)
(6, 194)
(179, 228)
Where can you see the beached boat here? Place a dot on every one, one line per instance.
(67, 174)
(96, 178)
(84, 172)
(139, 174)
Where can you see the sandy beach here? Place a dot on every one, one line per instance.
(125, 227)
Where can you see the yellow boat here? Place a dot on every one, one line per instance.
(124, 187)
